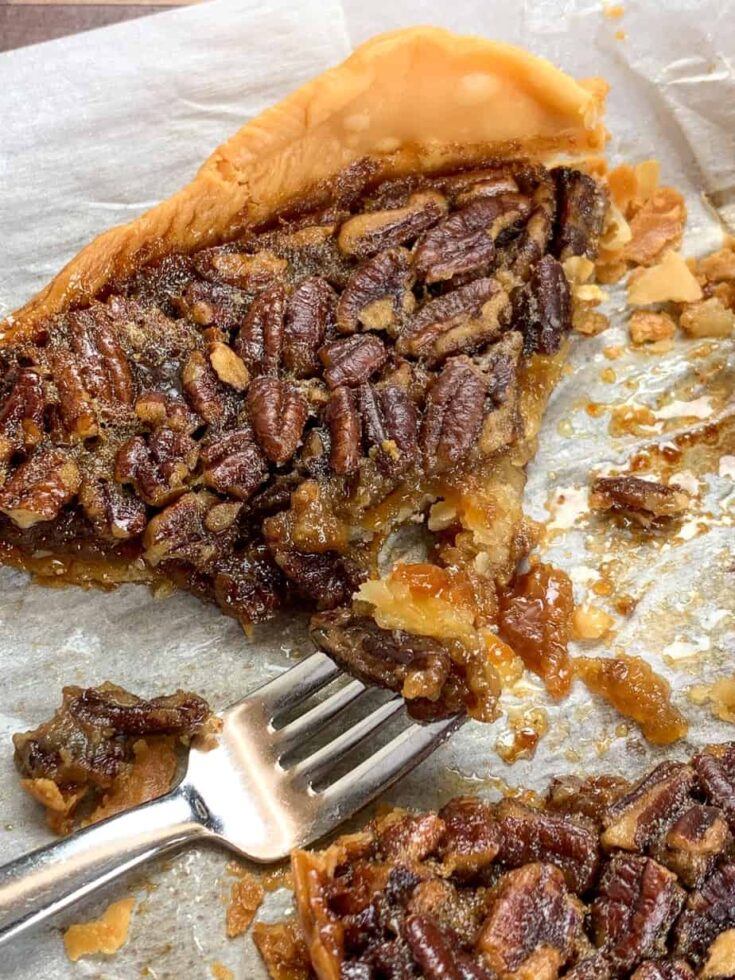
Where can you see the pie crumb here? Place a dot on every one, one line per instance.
(221, 972)
(245, 897)
(710, 318)
(104, 935)
(645, 326)
(671, 279)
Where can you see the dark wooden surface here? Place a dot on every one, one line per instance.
(24, 23)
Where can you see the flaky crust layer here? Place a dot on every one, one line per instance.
(414, 100)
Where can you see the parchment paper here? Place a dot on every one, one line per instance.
(161, 92)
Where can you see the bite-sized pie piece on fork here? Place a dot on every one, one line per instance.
(347, 324)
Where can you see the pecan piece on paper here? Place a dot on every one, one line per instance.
(378, 294)
(278, 412)
(643, 501)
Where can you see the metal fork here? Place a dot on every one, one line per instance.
(243, 794)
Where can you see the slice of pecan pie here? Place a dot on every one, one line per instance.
(346, 326)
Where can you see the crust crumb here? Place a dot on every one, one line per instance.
(104, 935)
(669, 280)
(283, 949)
(708, 318)
(647, 327)
(245, 897)
(221, 972)
(152, 773)
(590, 622)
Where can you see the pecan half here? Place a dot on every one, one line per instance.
(464, 242)
(196, 528)
(533, 924)
(75, 404)
(112, 708)
(39, 488)
(533, 242)
(453, 416)
(503, 422)
(353, 360)
(259, 341)
(248, 585)
(709, 913)
(114, 512)
(694, 843)
(206, 394)
(637, 819)
(410, 837)
(378, 294)
(249, 272)
(343, 419)
(390, 425)
(637, 903)
(581, 207)
(543, 308)
(233, 464)
(22, 414)
(643, 501)
(104, 367)
(278, 412)
(462, 320)
(531, 835)
(160, 468)
(309, 314)
(438, 956)
(365, 234)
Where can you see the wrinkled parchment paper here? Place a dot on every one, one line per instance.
(97, 128)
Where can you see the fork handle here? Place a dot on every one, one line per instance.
(42, 882)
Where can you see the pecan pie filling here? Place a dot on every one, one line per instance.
(253, 421)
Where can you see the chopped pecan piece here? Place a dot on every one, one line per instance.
(196, 528)
(531, 835)
(353, 360)
(259, 341)
(543, 308)
(663, 970)
(375, 655)
(409, 837)
(503, 422)
(454, 412)
(278, 412)
(160, 468)
(533, 924)
(694, 843)
(640, 817)
(114, 512)
(365, 234)
(249, 272)
(206, 394)
(39, 488)
(636, 905)
(471, 837)
(715, 769)
(594, 967)
(228, 367)
(590, 798)
(378, 294)
(709, 915)
(643, 501)
(438, 956)
(309, 314)
(22, 414)
(464, 242)
(155, 409)
(463, 320)
(581, 208)
(233, 464)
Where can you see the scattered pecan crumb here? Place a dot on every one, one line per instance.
(105, 935)
(246, 895)
(708, 318)
(647, 326)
